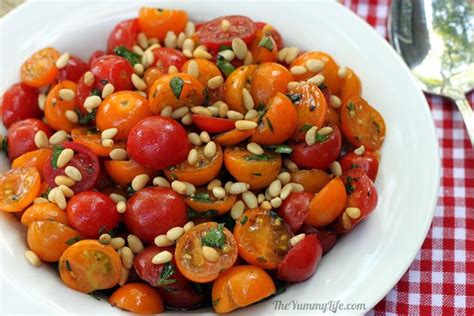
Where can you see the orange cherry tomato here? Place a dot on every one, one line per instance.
(263, 48)
(207, 70)
(36, 158)
(202, 172)
(55, 108)
(40, 68)
(351, 87)
(137, 298)
(268, 79)
(312, 180)
(88, 265)
(204, 201)
(175, 90)
(155, 22)
(278, 122)
(43, 212)
(256, 170)
(189, 256)
(311, 108)
(234, 84)
(49, 239)
(327, 204)
(122, 110)
(150, 76)
(362, 124)
(18, 188)
(330, 70)
(241, 286)
(332, 117)
(263, 238)
(122, 172)
(233, 137)
(91, 138)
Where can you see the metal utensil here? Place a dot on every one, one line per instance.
(436, 40)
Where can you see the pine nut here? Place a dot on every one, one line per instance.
(267, 195)
(180, 112)
(92, 102)
(244, 125)
(41, 101)
(297, 187)
(137, 50)
(227, 54)
(60, 199)
(194, 139)
(138, 82)
(210, 150)
(274, 188)
(325, 131)
(105, 239)
(124, 276)
(250, 115)
(238, 188)
(58, 137)
(240, 48)
(296, 239)
(148, 58)
(201, 53)
(153, 41)
(65, 157)
(140, 181)
(260, 198)
(162, 257)
(162, 241)
(342, 72)
(214, 110)
(336, 168)
(353, 212)
(276, 202)
(117, 197)
(142, 40)
(190, 188)
(188, 226)
(138, 68)
(32, 258)
(118, 154)
(193, 69)
(266, 205)
(293, 84)
(117, 243)
(40, 200)
(267, 28)
(88, 78)
(250, 199)
(346, 221)
(227, 186)
(174, 233)
(171, 40)
(66, 94)
(255, 148)
(237, 210)
(189, 29)
(73, 173)
(68, 193)
(282, 54)
(109, 133)
(71, 116)
(52, 195)
(215, 82)
(310, 136)
(219, 192)
(187, 119)
(234, 115)
(188, 53)
(201, 110)
(248, 59)
(141, 93)
(290, 165)
(223, 108)
(214, 183)
(286, 191)
(179, 186)
(335, 102)
(193, 157)
(166, 112)
(291, 54)
(180, 40)
(63, 60)
(41, 140)
(359, 151)
(108, 90)
(121, 207)
(284, 177)
(64, 180)
(127, 257)
(188, 44)
(204, 136)
(247, 99)
(107, 142)
(210, 254)
(225, 25)
(316, 80)
(314, 65)
(161, 182)
(298, 70)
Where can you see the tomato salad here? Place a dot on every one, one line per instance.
(187, 165)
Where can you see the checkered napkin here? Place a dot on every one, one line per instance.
(441, 279)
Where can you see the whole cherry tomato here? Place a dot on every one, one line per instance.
(96, 54)
(137, 298)
(21, 136)
(188, 297)
(112, 69)
(294, 209)
(367, 161)
(327, 239)
(124, 34)
(19, 102)
(74, 69)
(155, 22)
(166, 57)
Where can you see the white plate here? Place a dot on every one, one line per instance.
(365, 264)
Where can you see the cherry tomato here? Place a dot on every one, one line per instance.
(158, 142)
(153, 211)
(137, 298)
(367, 161)
(122, 172)
(301, 261)
(150, 76)
(268, 79)
(294, 209)
(263, 48)
(18, 188)
(43, 212)
(327, 240)
(233, 137)
(91, 138)
(213, 124)
(96, 54)
(112, 69)
(55, 108)
(21, 136)
(84, 160)
(274, 33)
(213, 36)
(40, 68)
(321, 154)
(124, 34)
(74, 69)
(166, 57)
(234, 84)
(19, 102)
(36, 158)
(312, 180)
(351, 86)
(156, 22)
(188, 297)
(205, 201)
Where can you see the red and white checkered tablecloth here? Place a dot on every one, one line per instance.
(441, 279)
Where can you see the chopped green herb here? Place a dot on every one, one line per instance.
(262, 259)
(206, 97)
(5, 145)
(166, 272)
(280, 287)
(305, 128)
(353, 166)
(225, 47)
(261, 115)
(273, 214)
(281, 149)
(197, 287)
(262, 157)
(266, 42)
(260, 107)
(294, 97)
(68, 266)
(270, 125)
(321, 138)
(216, 301)
(202, 197)
(224, 65)
(257, 174)
(130, 190)
(94, 295)
(73, 240)
(127, 54)
(322, 86)
(87, 118)
(102, 229)
(96, 91)
(351, 107)
(244, 220)
(193, 214)
(176, 85)
(57, 149)
(349, 187)
(45, 194)
(215, 237)
(377, 126)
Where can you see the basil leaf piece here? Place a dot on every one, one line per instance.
(176, 85)
(127, 54)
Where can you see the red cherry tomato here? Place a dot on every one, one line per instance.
(84, 160)
(274, 33)
(295, 209)
(152, 273)
(21, 136)
(20, 102)
(158, 142)
(300, 262)
(74, 69)
(152, 211)
(367, 161)
(124, 34)
(213, 124)
(188, 297)
(103, 179)
(92, 214)
(112, 69)
(95, 55)
(321, 154)
(167, 57)
(327, 239)
(212, 35)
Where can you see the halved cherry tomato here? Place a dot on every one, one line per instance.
(241, 286)
(277, 122)
(18, 188)
(327, 204)
(112, 69)
(122, 110)
(122, 172)
(21, 136)
(368, 161)
(137, 298)
(213, 124)
(153, 211)
(294, 209)
(158, 142)
(351, 87)
(327, 239)
(84, 160)
(156, 22)
(166, 57)
(175, 90)
(91, 138)
(55, 108)
(321, 154)
(362, 124)
(43, 212)
(189, 252)
(36, 158)
(150, 76)
(264, 49)
(268, 79)
(263, 238)
(40, 68)
(124, 34)
(19, 102)
(233, 137)
(234, 84)
(49, 239)
(301, 261)
(204, 201)
(188, 297)
(273, 32)
(313, 180)
(74, 69)
(207, 70)
(213, 36)
(256, 170)
(88, 265)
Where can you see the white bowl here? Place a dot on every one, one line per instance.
(365, 264)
